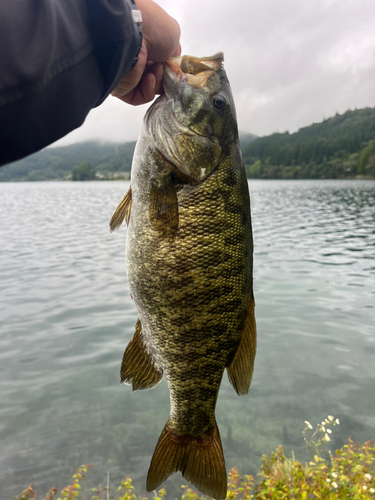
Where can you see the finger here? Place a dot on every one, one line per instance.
(178, 51)
(135, 97)
(148, 87)
(143, 93)
(130, 81)
(157, 70)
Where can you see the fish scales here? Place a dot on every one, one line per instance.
(189, 266)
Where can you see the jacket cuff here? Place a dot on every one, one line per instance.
(117, 40)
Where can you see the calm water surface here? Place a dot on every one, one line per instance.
(66, 317)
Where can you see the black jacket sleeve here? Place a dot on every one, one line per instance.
(58, 60)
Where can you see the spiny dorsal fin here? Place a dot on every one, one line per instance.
(240, 369)
(137, 366)
(122, 212)
(199, 458)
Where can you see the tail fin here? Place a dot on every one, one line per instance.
(200, 460)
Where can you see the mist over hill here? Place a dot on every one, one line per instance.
(246, 138)
(58, 163)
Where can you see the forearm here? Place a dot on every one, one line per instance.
(57, 61)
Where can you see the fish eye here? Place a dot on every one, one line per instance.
(219, 101)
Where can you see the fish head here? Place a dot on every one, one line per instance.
(196, 115)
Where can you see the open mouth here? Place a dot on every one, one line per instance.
(196, 70)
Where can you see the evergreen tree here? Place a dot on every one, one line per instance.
(83, 172)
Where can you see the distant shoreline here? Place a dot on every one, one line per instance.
(340, 147)
(127, 179)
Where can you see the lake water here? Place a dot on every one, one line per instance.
(66, 317)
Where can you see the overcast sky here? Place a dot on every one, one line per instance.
(290, 62)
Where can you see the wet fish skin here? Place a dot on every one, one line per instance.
(189, 264)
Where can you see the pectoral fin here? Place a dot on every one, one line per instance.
(164, 206)
(122, 212)
(240, 369)
(137, 366)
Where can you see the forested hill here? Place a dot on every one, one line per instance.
(88, 160)
(341, 146)
(107, 160)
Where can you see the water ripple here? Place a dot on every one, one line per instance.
(66, 317)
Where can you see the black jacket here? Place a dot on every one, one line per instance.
(58, 60)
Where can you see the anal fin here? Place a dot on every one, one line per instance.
(199, 458)
(137, 366)
(122, 211)
(240, 369)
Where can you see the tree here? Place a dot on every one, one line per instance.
(370, 167)
(83, 172)
(254, 169)
(364, 157)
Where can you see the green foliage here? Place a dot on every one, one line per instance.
(316, 442)
(338, 147)
(51, 494)
(70, 492)
(27, 494)
(254, 169)
(370, 167)
(83, 172)
(347, 475)
(366, 158)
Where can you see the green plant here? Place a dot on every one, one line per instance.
(127, 493)
(349, 474)
(27, 494)
(238, 487)
(70, 492)
(83, 172)
(320, 436)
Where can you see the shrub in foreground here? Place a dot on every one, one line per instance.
(347, 475)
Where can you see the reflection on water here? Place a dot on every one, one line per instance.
(66, 317)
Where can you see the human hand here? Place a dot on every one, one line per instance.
(161, 35)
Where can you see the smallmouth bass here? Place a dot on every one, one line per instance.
(189, 266)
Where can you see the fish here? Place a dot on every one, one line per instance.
(189, 262)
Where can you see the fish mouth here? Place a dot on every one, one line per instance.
(196, 70)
